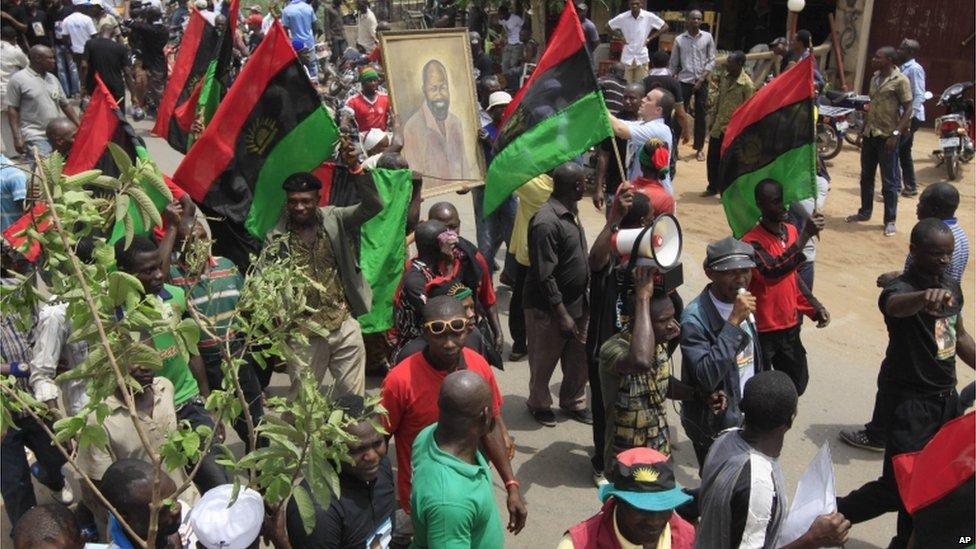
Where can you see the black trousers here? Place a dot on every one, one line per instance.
(250, 386)
(15, 473)
(712, 162)
(516, 313)
(913, 422)
(210, 474)
(905, 162)
(599, 414)
(700, 100)
(783, 351)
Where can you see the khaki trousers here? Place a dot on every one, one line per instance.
(342, 354)
(635, 74)
(547, 347)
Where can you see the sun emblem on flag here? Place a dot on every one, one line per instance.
(645, 474)
(260, 134)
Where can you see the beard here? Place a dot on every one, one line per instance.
(439, 107)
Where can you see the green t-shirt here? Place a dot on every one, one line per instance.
(453, 502)
(175, 368)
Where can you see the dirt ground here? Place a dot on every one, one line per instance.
(552, 464)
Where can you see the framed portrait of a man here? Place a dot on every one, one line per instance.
(431, 85)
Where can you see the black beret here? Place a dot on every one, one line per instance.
(301, 182)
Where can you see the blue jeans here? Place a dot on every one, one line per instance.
(495, 228)
(67, 71)
(873, 155)
(15, 473)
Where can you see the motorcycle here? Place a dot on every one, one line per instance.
(955, 129)
(859, 105)
(832, 126)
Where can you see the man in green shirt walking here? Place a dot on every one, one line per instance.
(452, 501)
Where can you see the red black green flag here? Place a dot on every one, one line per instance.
(936, 485)
(558, 114)
(177, 109)
(102, 123)
(270, 125)
(770, 136)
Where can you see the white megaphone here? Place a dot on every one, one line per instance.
(658, 245)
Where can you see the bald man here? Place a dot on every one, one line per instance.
(452, 500)
(35, 98)
(410, 393)
(60, 133)
(433, 139)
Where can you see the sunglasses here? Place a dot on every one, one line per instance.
(438, 327)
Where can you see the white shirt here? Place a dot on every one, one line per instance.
(266, 23)
(640, 132)
(79, 27)
(635, 33)
(366, 30)
(745, 361)
(513, 28)
(12, 59)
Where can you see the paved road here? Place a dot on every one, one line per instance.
(553, 463)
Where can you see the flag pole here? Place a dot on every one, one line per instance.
(620, 163)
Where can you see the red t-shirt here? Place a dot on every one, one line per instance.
(409, 395)
(774, 280)
(661, 199)
(370, 115)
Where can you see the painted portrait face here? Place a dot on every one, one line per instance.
(436, 90)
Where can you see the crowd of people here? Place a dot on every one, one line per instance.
(611, 323)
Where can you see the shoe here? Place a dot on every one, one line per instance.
(516, 356)
(889, 229)
(583, 416)
(860, 439)
(598, 478)
(707, 193)
(856, 218)
(908, 194)
(545, 416)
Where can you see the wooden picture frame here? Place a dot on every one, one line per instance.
(440, 141)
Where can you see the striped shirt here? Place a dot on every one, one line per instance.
(214, 294)
(15, 343)
(960, 252)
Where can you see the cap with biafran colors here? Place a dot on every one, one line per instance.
(644, 478)
(368, 73)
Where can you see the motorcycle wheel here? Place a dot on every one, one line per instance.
(952, 166)
(828, 142)
(855, 122)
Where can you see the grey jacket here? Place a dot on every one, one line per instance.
(341, 224)
(709, 346)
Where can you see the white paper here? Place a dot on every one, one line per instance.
(814, 496)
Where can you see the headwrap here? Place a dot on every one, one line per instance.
(368, 73)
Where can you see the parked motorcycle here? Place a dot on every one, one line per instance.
(955, 129)
(859, 105)
(832, 126)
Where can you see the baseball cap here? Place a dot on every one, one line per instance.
(781, 41)
(218, 524)
(499, 98)
(728, 254)
(474, 37)
(644, 479)
(255, 8)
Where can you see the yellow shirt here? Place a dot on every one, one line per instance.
(531, 197)
(663, 542)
